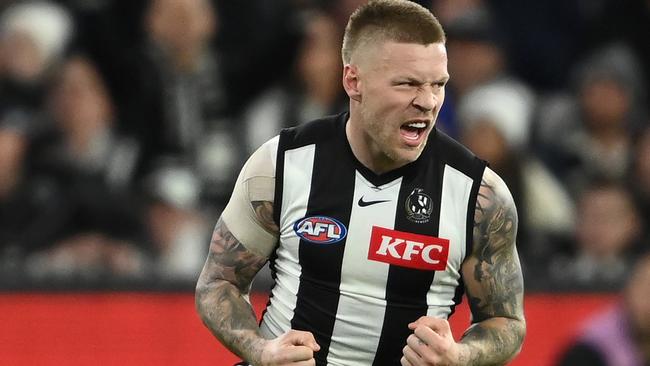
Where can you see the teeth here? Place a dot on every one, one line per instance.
(417, 125)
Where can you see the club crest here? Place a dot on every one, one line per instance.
(418, 206)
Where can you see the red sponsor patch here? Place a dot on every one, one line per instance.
(408, 250)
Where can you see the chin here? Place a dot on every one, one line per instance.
(406, 156)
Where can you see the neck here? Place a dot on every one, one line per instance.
(610, 137)
(366, 152)
(183, 60)
(187, 62)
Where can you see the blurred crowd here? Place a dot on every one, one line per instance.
(123, 126)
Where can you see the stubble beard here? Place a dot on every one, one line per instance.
(389, 151)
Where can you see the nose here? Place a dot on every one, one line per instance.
(425, 99)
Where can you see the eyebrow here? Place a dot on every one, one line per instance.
(412, 79)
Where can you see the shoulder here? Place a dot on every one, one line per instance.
(494, 190)
(248, 214)
(495, 216)
(262, 162)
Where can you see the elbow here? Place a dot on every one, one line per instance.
(201, 293)
(205, 296)
(519, 329)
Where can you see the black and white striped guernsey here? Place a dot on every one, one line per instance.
(362, 255)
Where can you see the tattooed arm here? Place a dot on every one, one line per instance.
(222, 285)
(243, 239)
(494, 285)
(493, 278)
(225, 278)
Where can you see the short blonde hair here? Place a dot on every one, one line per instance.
(390, 20)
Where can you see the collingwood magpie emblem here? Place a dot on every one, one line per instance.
(418, 206)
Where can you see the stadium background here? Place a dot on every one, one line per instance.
(123, 126)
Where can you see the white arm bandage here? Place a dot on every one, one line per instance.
(256, 182)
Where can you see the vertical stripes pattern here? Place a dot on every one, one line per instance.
(363, 283)
(456, 188)
(298, 167)
(358, 309)
(407, 288)
(332, 189)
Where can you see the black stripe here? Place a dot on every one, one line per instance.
(477, 175)
(406, 288)
(332, 190)
(458, 296)
(277, 207)
(279, 176)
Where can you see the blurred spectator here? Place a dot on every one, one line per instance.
(476, 57)
(619, 336)
(12, 151)
(475, 51)
(607, 239)
(257, 44)
(188, 86)
(590, 133)
(542, 38)
(107, 31)
(33, 36)
(447, 11)
(83, 112)
(85, 172)
(313, 90)
(341, 10)
(495, 123)
(639, 177)
(179, 233)
(179, 105)
(623, 21)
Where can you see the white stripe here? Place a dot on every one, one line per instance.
(298, 166)
(363, 282)
(274, 143)
(456, 189)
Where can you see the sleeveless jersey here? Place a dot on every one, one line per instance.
(362, 255)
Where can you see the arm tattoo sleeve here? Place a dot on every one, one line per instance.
(494, 279)
(226, 277)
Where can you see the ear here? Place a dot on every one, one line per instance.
(351, 82)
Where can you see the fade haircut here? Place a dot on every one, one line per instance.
(390, 20)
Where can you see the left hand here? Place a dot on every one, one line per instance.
(431, 344)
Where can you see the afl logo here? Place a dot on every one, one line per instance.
(418, 206)
(320, 229)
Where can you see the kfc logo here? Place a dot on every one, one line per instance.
(408, 250)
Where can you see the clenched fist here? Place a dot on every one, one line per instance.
(295, 348)
(431, 344)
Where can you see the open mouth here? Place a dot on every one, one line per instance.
(413, 131)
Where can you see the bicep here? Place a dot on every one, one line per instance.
(229, 260)
(246, 234)
(492, 272)
(249, 213)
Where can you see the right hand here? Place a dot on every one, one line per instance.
(295, 348)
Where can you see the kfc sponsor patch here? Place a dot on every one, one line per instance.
(408, 250)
